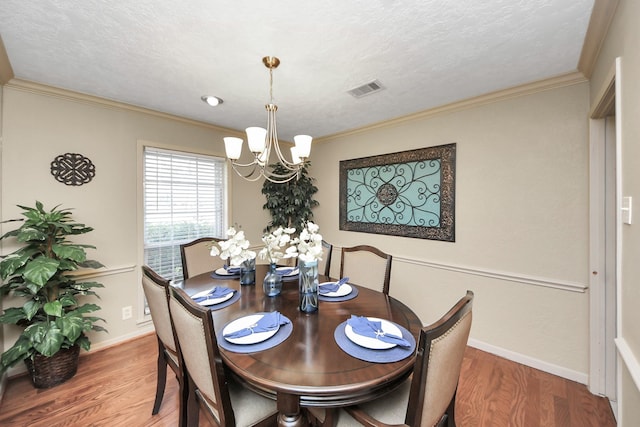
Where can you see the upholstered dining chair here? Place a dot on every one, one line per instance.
(366, 266)
(196, 258)
(156, 291)
(225, 403)
(428, 398)
(324, 265)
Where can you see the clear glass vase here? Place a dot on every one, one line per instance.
(248, 272)
(272, 283)
(308, 286)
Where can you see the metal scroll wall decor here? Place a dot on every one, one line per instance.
(410, 193)
(73, 169)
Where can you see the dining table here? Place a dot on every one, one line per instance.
(309, 363)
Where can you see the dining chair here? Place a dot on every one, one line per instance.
(196, 258)
(156, 291)
(223, 401)
(366, 266)
(428, 398)
(324, 265)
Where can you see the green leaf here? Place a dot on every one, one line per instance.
(85, 308)
(19, 351)
(30, 308)
(12, 315)
(83, 342)
(28, 234)
(11, 264)
(71, 327)
(40, 270)
(90, 263)
(46, 338)
(67, 300)
(53, 308)
(71, 252)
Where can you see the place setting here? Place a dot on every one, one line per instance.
(255, 332)
(374, 340)
(217, 297)
(226, 272)
(288, 273)
(337, 291)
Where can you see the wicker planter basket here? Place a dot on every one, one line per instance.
(47, 372)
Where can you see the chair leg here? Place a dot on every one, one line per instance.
(193, 408)
(162, 378)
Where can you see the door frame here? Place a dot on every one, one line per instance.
(601, 376)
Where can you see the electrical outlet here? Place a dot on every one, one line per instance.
(127, 312)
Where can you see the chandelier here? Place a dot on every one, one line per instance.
(262, 142)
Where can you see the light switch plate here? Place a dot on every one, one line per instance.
(626, 210)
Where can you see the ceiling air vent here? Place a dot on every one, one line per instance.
(366, 89)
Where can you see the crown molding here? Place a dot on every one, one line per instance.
(68, 95)
(601, 17)
(563, 80)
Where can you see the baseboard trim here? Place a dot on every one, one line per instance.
(629, 359)
(532, 362)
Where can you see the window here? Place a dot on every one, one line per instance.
(185, 197)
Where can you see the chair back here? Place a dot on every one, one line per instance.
(196, 258)
(198, 350)
(156, 290)
(366, 266)
(438, 362)
(324, 265)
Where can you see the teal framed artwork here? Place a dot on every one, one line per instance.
(408, 193)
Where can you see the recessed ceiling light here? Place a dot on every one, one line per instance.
(211, 100)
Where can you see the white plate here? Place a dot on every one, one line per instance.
(293, 273)
(222, 272)
(245, 322)
(374, 343)
(344, 289)
(212, 301)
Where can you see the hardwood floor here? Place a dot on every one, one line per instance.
(116, 387)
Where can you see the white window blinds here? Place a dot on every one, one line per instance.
(184, 198)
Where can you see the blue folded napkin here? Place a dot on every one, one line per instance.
(232, 270)
(332, 287)
(285, 271)
(373, 329)
(268, 322)
(216, 292)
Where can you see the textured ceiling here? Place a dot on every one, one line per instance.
(165, 54)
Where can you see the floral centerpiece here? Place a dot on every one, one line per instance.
(278, 245)
(309, 243)
(276, 242)
(236, 251)
(309, 248)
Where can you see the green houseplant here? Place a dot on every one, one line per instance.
(54, 321)
(290, 204)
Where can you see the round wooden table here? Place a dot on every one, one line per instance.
(309, 369)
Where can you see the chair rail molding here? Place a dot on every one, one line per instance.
(499, 275)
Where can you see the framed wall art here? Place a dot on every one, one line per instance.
(409, 193)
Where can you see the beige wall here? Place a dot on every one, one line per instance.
(623, 41)
(521, 213)
(38, 127)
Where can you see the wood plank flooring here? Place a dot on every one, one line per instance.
(116, 387)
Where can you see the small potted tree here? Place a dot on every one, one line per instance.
(54, 321)
(290, 204)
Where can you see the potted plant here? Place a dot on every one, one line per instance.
(55, 322)
(290, 204)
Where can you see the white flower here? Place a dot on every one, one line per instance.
(309, 244)
(235, 249)
(275, 242)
